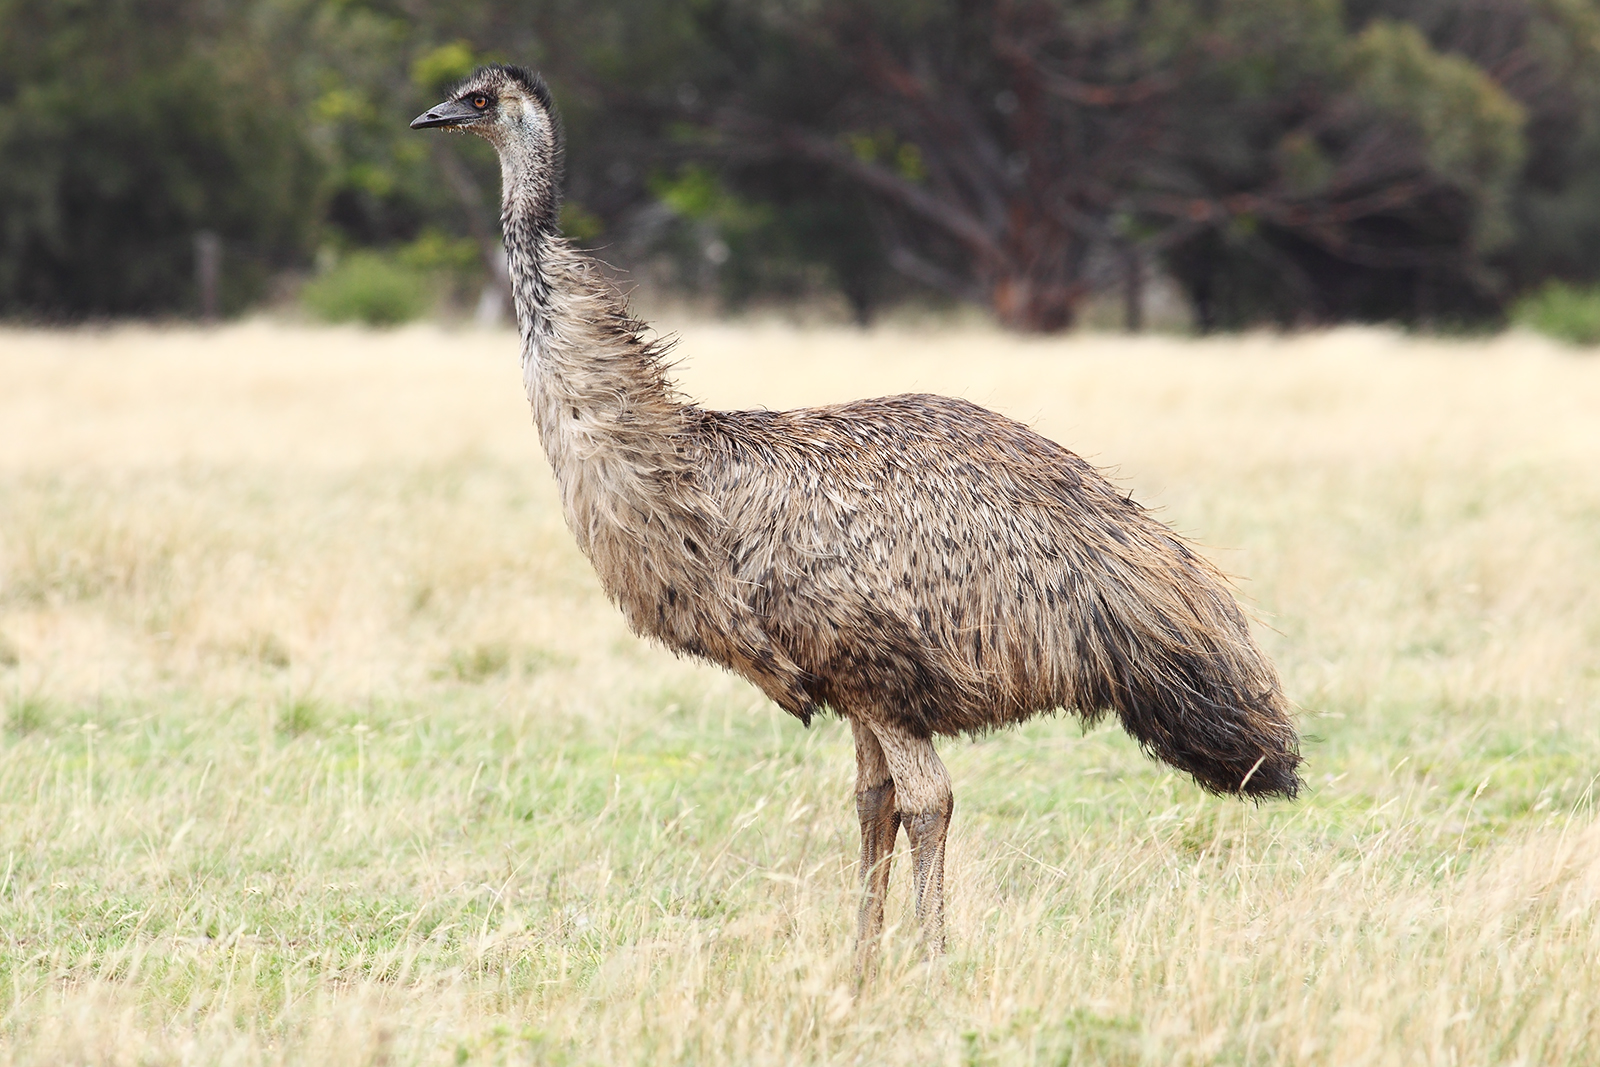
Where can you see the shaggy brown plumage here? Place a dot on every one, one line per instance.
(918, 564)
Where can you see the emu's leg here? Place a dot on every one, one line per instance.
(880, 824)
(923, 798)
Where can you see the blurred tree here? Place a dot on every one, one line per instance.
(1287, 160)
(1285, 166)
(1372, 190)
(126, 127)
(1545, 54)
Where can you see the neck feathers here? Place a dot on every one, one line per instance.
(612, 425)
(530, 212)
(578, 337)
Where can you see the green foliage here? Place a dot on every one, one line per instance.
(449, 268)
(1566, 312)
(435, 250)
(1303, 163)
(125, 129)
(579, 223)
(434, 71)
(880, 146)
(1469, 128)
(368, 287)
(696, 193)
(770, 230)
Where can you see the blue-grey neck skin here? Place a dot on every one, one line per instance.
(529, 209)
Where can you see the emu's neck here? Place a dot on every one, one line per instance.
(529, 210)
(609, 419)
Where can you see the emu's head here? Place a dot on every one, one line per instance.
(511, 109)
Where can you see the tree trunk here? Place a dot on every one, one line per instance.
(1033, 305)
(1037, 286)
(1132, 288)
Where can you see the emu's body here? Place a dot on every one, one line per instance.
(918, 564)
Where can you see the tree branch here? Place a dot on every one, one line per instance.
(952, 218)
(1081, 92)
(918, 269)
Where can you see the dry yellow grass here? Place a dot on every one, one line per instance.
(320, 744)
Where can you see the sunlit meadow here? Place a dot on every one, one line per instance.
(320, 744)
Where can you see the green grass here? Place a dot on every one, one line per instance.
(196, 862)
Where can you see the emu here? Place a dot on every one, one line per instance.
(919, 565)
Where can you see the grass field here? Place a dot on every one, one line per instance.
(320, 744)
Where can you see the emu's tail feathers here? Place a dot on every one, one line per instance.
(1186, 679)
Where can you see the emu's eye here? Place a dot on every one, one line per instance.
(480, 102)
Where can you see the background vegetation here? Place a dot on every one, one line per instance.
(1288, 161)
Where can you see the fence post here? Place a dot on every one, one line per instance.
(1132, 288)
(207, 269)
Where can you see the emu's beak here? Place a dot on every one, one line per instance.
(449, 113)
